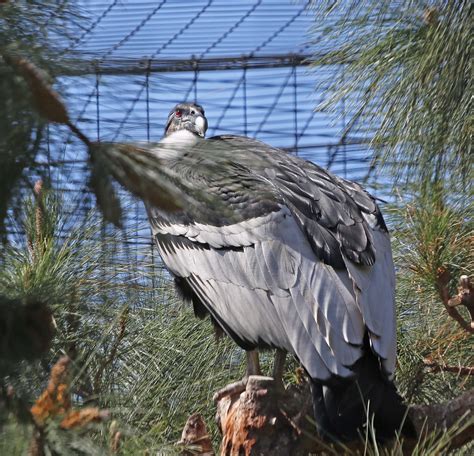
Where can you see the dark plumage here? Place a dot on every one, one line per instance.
(284, 254)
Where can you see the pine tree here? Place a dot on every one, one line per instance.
(407, 81)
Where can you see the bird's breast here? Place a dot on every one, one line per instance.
(175, 145)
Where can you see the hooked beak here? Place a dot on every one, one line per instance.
(197, 125)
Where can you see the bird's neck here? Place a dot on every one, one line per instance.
(176, 144)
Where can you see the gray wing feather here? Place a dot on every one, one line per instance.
(329, 311)
(275, 290)
(375, 295)
(234, 235)
(295, 263)
(300, 340)
(249, 312)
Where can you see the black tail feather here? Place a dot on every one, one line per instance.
(342, 407)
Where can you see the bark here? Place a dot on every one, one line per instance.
(440, 417)
(265, 420)
(195, 439)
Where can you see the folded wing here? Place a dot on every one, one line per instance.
(303, 263)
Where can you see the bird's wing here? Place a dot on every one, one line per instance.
(346, 230)
(262, 282)
(294, 265)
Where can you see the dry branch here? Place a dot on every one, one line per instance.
(54, 408)
(437, 367)
(110, 358)
(465, 297)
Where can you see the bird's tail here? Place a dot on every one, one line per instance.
(343, 407)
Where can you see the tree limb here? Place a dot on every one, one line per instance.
(440, 417)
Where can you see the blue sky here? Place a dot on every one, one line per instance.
(275, 104)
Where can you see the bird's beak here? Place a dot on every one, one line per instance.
(196, 124)
(201, 125)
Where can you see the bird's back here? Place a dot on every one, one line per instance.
(284, 254)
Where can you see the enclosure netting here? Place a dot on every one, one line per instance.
(246, 62)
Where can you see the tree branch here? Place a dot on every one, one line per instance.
(465, 297)
(440, 417)
(113, 351)
(436, 367)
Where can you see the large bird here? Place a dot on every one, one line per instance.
(283, 254)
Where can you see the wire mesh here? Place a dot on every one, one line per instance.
(245, 62)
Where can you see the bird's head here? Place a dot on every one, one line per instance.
(187, 116)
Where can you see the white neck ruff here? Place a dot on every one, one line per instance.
(176, 144)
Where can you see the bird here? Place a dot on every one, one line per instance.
(282, 254)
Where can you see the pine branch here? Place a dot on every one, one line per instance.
(437, 367)
(405, 81)
(113, 352)
(53, 409)
(50, 106)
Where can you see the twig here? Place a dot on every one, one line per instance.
(443, 278)
(79, 134)
(37, 443)
(113, 352)
(436, 367)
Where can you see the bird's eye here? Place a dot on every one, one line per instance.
(178, 113)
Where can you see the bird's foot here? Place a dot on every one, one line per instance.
(237, 388)
(231, 389)
(279, 385)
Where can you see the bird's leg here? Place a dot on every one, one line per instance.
(279, 367)
(253, 363)
(253, 368)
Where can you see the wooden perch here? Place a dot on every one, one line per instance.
(264, 420)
